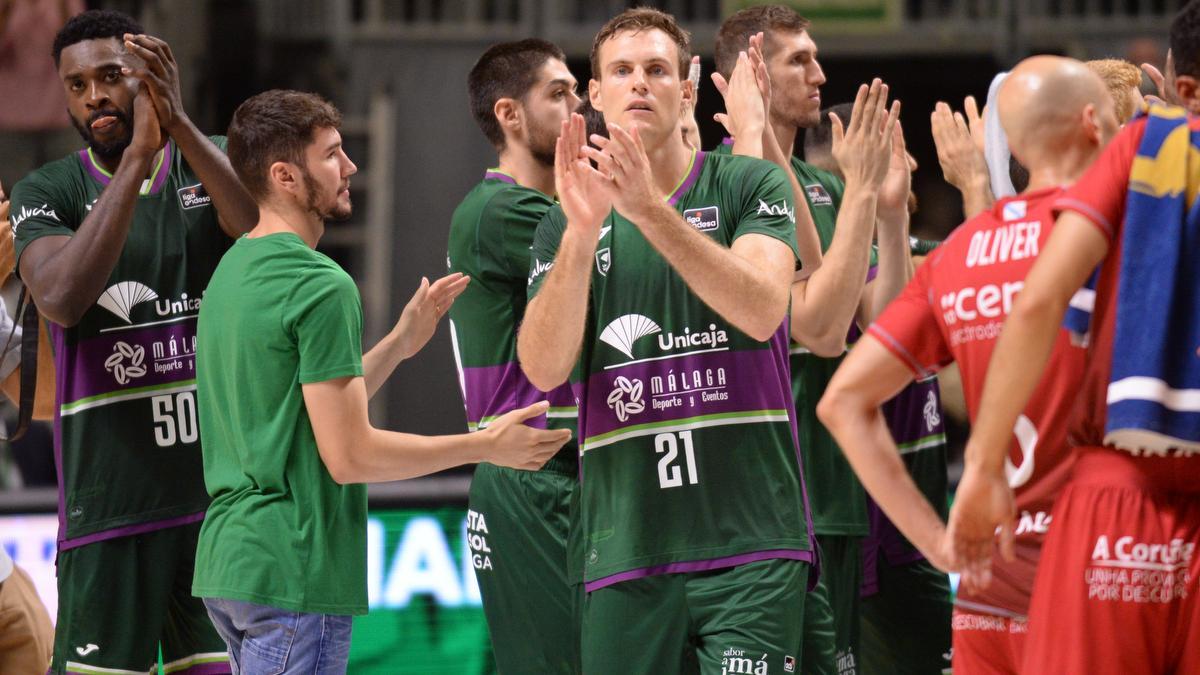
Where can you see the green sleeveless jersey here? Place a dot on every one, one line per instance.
(126, 439)
(688, 450)
(490, 236)
(837, 498)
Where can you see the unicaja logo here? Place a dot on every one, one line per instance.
(120, 299)
(626, 330)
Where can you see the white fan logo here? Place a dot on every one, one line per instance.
(121, 298)
(624, 387)
(124, 372)
(625, 330)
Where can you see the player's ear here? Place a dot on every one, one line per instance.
(1091, 124)
(688, 90)
(285, 177)
(1187, 88)
(594, 95)
(508, 114)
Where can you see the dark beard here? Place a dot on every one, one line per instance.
(333, 213)
(110, 153)
(541, 147)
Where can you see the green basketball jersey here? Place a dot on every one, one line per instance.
(836, 497)
(688, 451)
(490, 236)
(126, 440)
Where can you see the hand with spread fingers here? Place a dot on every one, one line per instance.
(629, 181)
(160, 75)
(425, 309)
(963, 164)
(745, 115)
(582, 191)
(863, 148)
(983, 504)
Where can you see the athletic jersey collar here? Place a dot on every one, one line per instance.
(689, 178)
(152, 185)
(496, 174)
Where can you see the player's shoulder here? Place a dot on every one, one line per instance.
(492, 201)
(810, 173)
(737, 173)
(58, 173)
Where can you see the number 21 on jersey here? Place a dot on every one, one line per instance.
(670, 473)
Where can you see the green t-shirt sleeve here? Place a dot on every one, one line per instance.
(545, 246)
(325, 318)
(767, 207)
(41, 208)
(221, 142)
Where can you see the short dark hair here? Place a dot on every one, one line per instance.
(820, 137)
(95, 24)
(275, 126)
(644, 19)
(506, 70)
(593, 119)
(1185, 39)
(734, 35)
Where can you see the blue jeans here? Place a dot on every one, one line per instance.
(266, 640)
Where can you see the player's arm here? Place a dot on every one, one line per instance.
(413, 330)
(236, 210)
(984, 500)
(742, 117)
(850, 409)
(355, 452)
(891, 227)
(65, 273)
(823, 305)
(551, 334)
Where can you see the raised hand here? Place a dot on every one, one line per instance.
(517, 446)
(962, 161)
(892, 207)
(425, 309)
(147, 130)
(745, 115)
(160, 76)
(863, 149)
(983, 502)
(583, 192)
(622, 161)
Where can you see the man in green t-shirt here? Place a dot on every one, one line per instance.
(116, 243)
(283, 386)
(826, 301)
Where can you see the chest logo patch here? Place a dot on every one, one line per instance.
(704, 219)
(625, 330)
(1015, 210)
(194, 196)
(604, 261)
(817, 195)
(121, 298)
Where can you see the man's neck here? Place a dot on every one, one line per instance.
(519, 163)
(669, 162)
(1065, 169)
(785, 134)
(277, 219)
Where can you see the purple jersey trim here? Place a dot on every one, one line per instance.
(221, 668)
(495, 390)
(728, 140)
(688, 181)
(699, 566)
(59, 340)
(128, 530)
(497, 174)
(159, 179)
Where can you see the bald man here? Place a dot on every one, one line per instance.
(1058, 116)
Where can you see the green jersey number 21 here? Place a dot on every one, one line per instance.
(670, 474)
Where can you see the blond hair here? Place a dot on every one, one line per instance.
(1119, 77)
